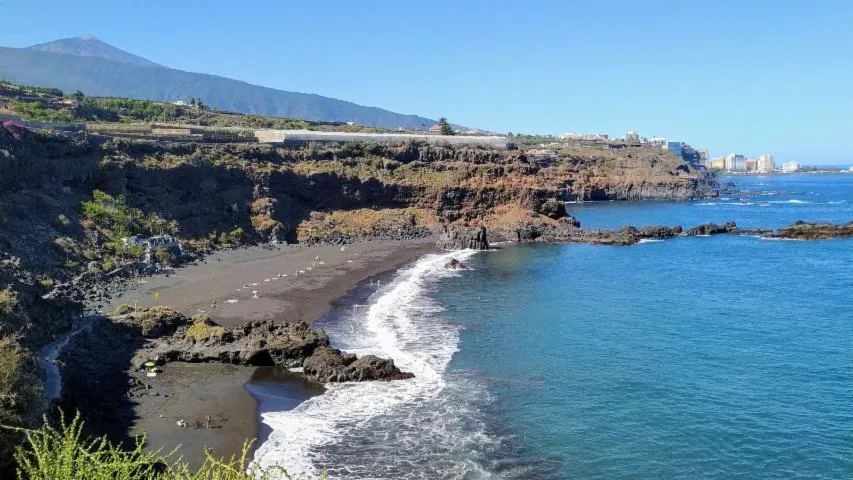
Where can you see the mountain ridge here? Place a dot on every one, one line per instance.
(90, 46)
(99, 76)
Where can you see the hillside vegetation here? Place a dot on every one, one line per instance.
(110, 78)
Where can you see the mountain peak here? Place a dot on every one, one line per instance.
(89, 46)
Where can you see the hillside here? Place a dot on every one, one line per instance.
(108, 77)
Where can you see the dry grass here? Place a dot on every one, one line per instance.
(203, 329)
(506, 217)
(364, 222)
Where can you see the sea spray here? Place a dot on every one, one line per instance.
(356, 428)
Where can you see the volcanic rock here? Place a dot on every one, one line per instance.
(461, 239)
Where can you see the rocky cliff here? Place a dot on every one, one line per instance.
(68, 201)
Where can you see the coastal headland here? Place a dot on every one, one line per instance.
(75, 207)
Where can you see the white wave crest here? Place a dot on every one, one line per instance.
(399, 324)
(650, 240)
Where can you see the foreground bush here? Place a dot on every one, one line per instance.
(64, 453)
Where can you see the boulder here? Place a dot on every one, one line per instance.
(554, 209)
(329, 365)
(455, 264)
(461, 239)
(528, 232)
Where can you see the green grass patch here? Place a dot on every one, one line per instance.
(63, 452)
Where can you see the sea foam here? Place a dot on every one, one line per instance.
(332, 429)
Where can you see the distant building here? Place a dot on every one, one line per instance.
(790, 167)
(766, 164)
(674, 147)
(718, 163)
(704, 158)
(435, 130)
(751, 164)
(659, 142)
(179, 103)
(588, 137)
(735, 162)
(632, 136)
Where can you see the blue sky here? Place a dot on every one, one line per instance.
(750, 76)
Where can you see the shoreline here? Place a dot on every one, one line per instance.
(221, 404)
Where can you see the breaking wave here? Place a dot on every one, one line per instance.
(425, 427)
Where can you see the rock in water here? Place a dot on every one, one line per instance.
(461, 239)
(713, 229)
(454, 264)
(327, 364)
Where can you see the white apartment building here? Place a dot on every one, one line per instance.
(766, 164)
(589, 137)
(790, 167)
(735, 162)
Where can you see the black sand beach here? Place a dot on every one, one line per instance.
(232, 287)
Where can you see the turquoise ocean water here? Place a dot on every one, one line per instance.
(704, 357)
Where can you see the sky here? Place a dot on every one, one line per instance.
(748, 76)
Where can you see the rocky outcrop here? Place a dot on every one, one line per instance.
(461, 239)
(256, 343)
(713, 229)
(455, 264)
(800, 230)
(163, 335)
(553, 209)
(329, 365)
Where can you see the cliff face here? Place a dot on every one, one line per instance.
(234, 193)
(269, 192)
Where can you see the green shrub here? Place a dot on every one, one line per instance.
(64, 453)
(235, 237)
(115, 216)
(164, 256)
(20, 394)
(203, 328)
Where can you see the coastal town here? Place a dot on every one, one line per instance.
(734, 163)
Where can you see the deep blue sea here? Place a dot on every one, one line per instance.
(704, 357)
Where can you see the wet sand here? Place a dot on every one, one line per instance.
(233, 287)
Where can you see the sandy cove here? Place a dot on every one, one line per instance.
(232, 287)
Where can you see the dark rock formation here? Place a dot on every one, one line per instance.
(554, 209)
(460, 239)
(800, 230)
(329, 365)
(455, 264)
(713, 229)
(164, 335)
(255, 343)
